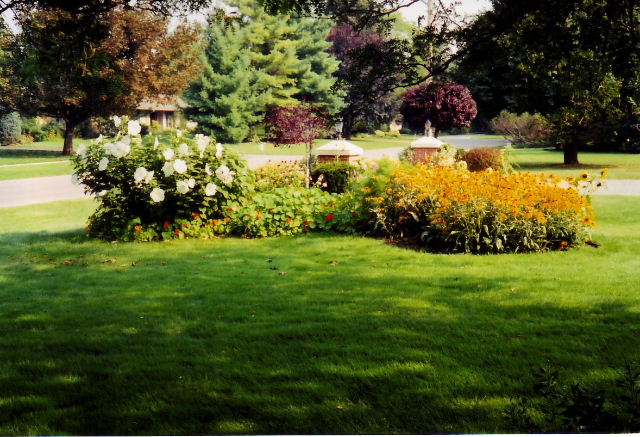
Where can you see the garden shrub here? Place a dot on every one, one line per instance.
(361, 135)
(334, 176)
(484, 158)
(280, 174)
(406, 155)
(523, 129)
(452, 210)
(379, 133)
(394, 134)
(144, 187)
(9, 128)
(290, 211)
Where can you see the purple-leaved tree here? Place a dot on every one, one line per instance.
(445, 104)
(296, 125)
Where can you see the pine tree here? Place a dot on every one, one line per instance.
(317, 66)
(225, 100)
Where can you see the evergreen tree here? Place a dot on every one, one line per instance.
(226, 100)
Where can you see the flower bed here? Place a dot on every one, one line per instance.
(452, 210)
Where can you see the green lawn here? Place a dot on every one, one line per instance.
(20, 164)
(208, 337)
(620, 165)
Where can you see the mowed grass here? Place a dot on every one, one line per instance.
(620, 165)
(237, 336)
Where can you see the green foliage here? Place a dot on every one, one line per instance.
(482, 158)
(9, 128)
(335, 176)
(141, 183)
(226, 100)
(523, 129)
(258, 62)
(406, 155)
(554, 407)
(289, 211)
(280, 175)
(379, 134)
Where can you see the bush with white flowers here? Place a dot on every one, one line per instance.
(145, 186)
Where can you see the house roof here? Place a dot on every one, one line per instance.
(169, 104)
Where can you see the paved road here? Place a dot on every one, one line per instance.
(47, 189)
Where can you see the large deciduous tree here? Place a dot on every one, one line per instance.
(74, 65)
(577, 61)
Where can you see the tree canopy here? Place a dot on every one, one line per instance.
(74, 65)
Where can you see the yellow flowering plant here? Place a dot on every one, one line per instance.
(452, 210)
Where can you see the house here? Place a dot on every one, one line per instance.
(166, 113)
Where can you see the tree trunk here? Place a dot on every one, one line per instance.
(571, 153)
(69, 127)
(347, 126)
(309, 146)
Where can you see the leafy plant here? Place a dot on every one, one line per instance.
(140, 182)
(334, 175)
(279, 175)
(569, 408)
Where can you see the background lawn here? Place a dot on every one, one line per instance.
(620, 165)
(208, 337)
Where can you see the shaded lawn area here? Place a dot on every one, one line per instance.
(620, 165)
(208, 337)
(35, 170)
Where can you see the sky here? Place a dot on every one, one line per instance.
(466, 7)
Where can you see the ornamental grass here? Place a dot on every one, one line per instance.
(453, 210)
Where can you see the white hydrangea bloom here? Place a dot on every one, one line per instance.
(183, 149)
(167, 168)
(120, 149)
(219, 150)
(207, 169)
(225, 175)
(142, 175)
(133, 127)
(156, 143)
(191, 125)
(191, 182)
(102, 193)
(157, 194)
(126, 139)
(211, 189)
(180, 166)
(182, 187)
(81, 151)
(116, 121)
(168, 154)
(202, 141)
(178, 133)
(102, 165)
(107, 148)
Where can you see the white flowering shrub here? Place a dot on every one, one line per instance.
(145, 186)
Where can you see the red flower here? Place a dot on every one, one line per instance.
(166, 225)
(177, 232)
(185, 225)
(305, 223)
(196, 215)
(329, 217)
(354, 214)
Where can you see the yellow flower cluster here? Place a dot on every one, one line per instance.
(527, 195)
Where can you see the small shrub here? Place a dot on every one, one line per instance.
(30, 127)
(334, 176)
(379, 134)
(406, 155)
(394, 134)
(280, 174)
(483, 158)
(9, 128)
(523, 129)
(361, 135)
